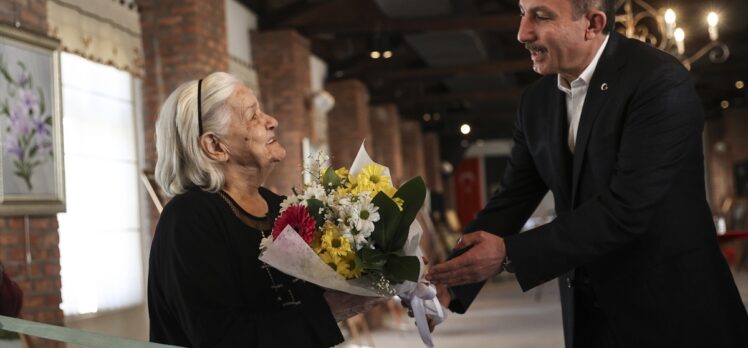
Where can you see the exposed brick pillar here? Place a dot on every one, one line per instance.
(348, 122)
(385, 129)
(413, 150)
(29, 246)
(182, 41)
(432, 161)
(281, 59)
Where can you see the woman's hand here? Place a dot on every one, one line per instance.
(344, 305)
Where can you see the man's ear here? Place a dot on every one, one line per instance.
(212, 146)
(597, 21)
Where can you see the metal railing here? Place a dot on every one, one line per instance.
(68, 335)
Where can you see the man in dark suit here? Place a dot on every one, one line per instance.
(613, 129)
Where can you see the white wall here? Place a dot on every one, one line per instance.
(239, 22)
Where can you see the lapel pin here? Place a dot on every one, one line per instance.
(604, 87)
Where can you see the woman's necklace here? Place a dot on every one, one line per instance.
(262, 226)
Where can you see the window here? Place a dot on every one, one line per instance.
(101, 237)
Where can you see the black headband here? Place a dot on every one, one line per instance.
(199, 108)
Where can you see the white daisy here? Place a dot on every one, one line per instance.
(289, 201)
(315, 191)
(363, 215)
(266, 242)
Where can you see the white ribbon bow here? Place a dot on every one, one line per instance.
(424, 303)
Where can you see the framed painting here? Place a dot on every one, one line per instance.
(31, 161)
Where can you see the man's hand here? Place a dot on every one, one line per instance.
(484, 260)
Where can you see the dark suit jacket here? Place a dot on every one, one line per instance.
(631, 205)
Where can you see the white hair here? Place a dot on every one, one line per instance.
(181, 162)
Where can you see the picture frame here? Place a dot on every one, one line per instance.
(32, 180)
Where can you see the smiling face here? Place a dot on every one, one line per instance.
(558, 41)
(251, 139)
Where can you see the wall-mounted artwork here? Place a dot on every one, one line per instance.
(31, 167)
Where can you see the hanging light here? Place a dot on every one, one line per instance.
(465, 129)
(713, 19)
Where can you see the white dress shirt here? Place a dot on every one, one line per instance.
(576, 93)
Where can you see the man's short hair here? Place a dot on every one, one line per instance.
(581, 7)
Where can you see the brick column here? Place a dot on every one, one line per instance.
(413, 150)
(182, 41)
(29, 247)
(283, 73)
(433, 162)
(348, 122)
(385, 129)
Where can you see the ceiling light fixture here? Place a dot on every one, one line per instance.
(659, 28)
(465, 129)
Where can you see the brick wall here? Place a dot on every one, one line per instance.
(35, 268)
(348, 122)
(30, 15)
(413, 150)
(432, 162)
(387, 147)
(182, 41)
(281, 59)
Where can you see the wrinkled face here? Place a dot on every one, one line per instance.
(251, 138)
(556, 40)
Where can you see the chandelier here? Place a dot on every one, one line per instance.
(659, 28)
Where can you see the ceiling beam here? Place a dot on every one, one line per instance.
(441, 98)
(498, 22)
(272, 18)
(503, 66)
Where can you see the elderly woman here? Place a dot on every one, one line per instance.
(206, 286)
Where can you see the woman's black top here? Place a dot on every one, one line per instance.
(206, 287)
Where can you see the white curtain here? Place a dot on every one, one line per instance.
(104, 31)
(100, 234)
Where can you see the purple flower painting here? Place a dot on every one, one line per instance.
(28, 135)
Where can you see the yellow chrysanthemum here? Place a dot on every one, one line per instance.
(349, 266)
(372, 175)
(342, 172)
(333, 242)
(329, 259)
(399, 201)
(317, 241)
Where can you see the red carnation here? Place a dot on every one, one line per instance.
(299, 219)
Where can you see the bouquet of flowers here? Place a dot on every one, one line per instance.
(351, 230)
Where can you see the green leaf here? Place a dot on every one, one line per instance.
(330, 180)
(413, 193)
(5, 73)
(372, 259)
(317, 210)
(42, 106)
(389, 217)
(400, 268)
